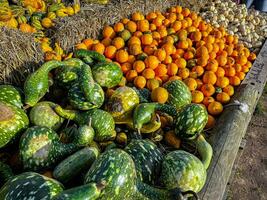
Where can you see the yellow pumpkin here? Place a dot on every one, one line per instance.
(12, 23)
(70, 10)
(51, 15)
(5, 13)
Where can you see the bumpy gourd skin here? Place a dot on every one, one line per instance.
(36, 84)
(40, 148)
(10, 94)
(13, 120)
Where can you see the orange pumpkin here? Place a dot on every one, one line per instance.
(208, 89)
(215, 108)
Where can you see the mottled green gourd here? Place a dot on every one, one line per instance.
(36, 84)
(5, 173)
(11, 95)
(13, 120)
(89, 57)
(68, 73)
(121, 104)
(30, 185)
(144, 112)
(190, 121)
(179, 94)
(76, 163)
(107, 74)
(116, 168)
(42, 114)
(87, 91)
(89, 191)
(85, 135)
(40, 148)
(183, 170)
(144, 95)
(147, 158)
(102, 122)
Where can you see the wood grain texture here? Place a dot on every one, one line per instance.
(232, 126)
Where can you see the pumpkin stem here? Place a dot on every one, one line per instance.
(205, 150)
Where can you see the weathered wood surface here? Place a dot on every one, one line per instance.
(232, 126)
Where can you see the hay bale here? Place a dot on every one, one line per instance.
(92, 18)
(19, 56)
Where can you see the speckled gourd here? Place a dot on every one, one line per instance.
(40, 148)
(11, 95)
(13, 120)
(30, 185)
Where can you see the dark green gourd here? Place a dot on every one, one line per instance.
(147, 158)
(40, 148)
(42, 114)
(68, 73)
(30, 185)
(89, 191)
(13, 120)
(89, 57)
(86, 94)
(116, 168)
(5, 173)
(36, 84)
(11, 95)
(76, 163)
(179, 93)
(101, 121)
(183, 170)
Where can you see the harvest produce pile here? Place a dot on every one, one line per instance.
(123, 116)
(33, 16)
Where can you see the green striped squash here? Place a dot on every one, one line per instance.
(30, 185)
(183, 170)
(190, 121)
(179, 94)
(117, 170)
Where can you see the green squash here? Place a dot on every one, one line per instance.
(190, 121)
(101, 121)
(147, 158)
(37, 83)
(5, 173)
(89, 57)
(107, 74)
(78, 100)
(40, 148)
(179, 94)
(11, 95)
(116, 168)
(42, 114)
(13, 120)
(76, 163)
(121, 104)
(30, 185)
(183, 170)
(89, 191)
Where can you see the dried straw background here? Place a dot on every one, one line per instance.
(89, 22)
(19, 56)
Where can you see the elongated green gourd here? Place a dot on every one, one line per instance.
(102, 122)
(76, 163)
(89, 191)
(11, 95)
(89, 57)
(13, 120)
(36, 84)
(40, 148)
(30, 185)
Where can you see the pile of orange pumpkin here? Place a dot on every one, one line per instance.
(178, 44)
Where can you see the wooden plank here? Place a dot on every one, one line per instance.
(231, 127)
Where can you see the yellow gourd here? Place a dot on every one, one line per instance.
(46, 47)
(26, 28)
(58, 49)
(61, 13)
(76, 8)
(47, 23)
(12, 23)
(5, 13)
(70, 10)
(51, 15)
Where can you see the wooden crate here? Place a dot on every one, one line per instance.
(231, 128)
